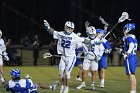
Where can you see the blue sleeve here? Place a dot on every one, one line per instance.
(106, 45)
(129, 40)
(28, 84)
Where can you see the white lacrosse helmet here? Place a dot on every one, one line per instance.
(69, 24)
(69, 27)
(91, 31)
(0, 33)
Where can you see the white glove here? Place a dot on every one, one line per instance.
(6, 58)
(90, 56)
(97, 58)
(108, 51)
(27, 76)
(125, 56)
(119, 50)
(87, 24)
(103, 21)
(46, 24)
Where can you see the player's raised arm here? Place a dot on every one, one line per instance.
(104, 22)
(48, 27)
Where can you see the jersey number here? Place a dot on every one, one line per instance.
(135, 49)
(65, 43)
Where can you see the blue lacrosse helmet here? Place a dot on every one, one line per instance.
(129, 26)
(100, 31)
(15, 73)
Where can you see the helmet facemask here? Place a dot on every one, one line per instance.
(69, 27)
(91, 32)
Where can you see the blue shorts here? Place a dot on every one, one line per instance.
(78, 62)
(102, 63)
(131, 64)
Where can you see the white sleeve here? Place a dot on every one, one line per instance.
(55, 34)
(79, 39)
(131, 46)
(102, 49)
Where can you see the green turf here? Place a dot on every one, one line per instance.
(116, 80)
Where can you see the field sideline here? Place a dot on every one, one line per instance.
(116, 80)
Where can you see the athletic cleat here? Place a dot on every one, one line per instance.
(66, 90)
(78, 79)
(92, 87)
(81, 86)
(100, 86)
(61, 89)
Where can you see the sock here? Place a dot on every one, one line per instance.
(62, 86)
(83, 83)
(92, 83)
(132, 91)
(102, 81)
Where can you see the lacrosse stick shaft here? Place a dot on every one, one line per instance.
(111, 30)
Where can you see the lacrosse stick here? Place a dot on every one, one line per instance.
(46, 55)
(124, 16)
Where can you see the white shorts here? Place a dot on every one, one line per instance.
(67, 63)
(1, 60)
(93, 65)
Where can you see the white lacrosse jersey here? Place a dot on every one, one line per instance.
(67, 43)
(94, 47)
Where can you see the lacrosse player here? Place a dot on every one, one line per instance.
(67, 42)
(18, 85)
(3, 55)
(78, 63)
(102, 64)
(93, 52)
(103, 61)
(131, 60)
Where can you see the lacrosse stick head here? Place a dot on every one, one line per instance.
(123, 17)
(46, 55)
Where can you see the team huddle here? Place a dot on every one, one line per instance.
(95, 48)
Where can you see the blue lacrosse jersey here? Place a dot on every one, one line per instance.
(132, 61)
(78, 55)
(103, 61)
(21, 86)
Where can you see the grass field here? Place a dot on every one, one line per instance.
(116, 80)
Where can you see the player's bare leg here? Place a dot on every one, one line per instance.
(83, 84)
(133, 84)
(93, 78)
(62, 80)
(79, 73)
(1, 74)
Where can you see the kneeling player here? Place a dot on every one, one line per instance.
(18, 85)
